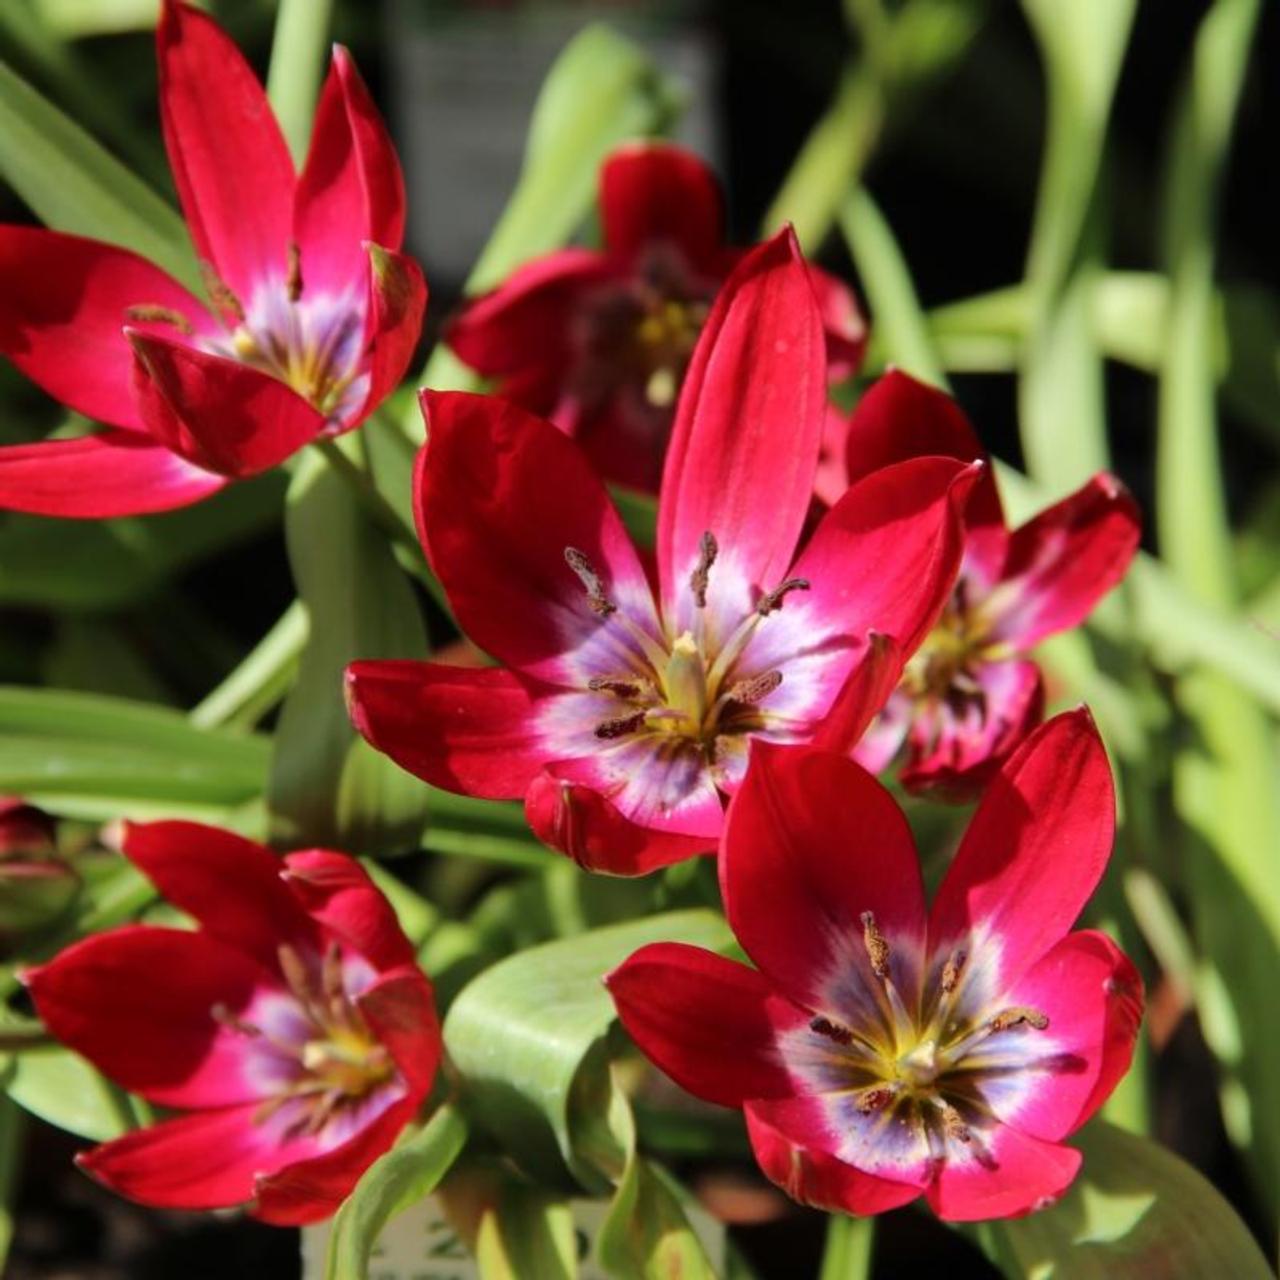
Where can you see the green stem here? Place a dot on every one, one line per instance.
(847, 1255)
(297, 62)
(12, 1128)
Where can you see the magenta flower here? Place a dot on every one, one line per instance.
(312, 311)
(598, 341)
(623, 714)
(293, 1031)
(880, 1054)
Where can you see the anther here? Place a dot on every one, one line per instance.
(222, 1015)
(220, 293)
(831, 1030)
(591, 580)
(748, 692)
(877, 1098)
(293, 277)
(623, 686)
(952, 969)
(772, 600)
(877, 947)
(952, 1123)
(620, 726)
(1018, 1016)
(708, 549)
(149, 313)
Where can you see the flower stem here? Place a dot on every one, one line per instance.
(297, 60)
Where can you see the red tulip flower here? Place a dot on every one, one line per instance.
(880, 1054)
(598, 341)
(292, 1031)
(624, 711)
(312, 312)
(971, 694)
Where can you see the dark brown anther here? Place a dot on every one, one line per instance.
(293, 277)
(877, 947)
(708, 549)
(623, 686)
(876, 1099)
(224, 1017)
(772, 600)
(749, 692)
(952, 969)
(220, 293)
(952, 1123)
(619, 727)
(600, 603)
(149, 313)
(831, 1030)
(1018, 1016)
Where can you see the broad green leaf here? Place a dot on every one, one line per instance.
(326, 787)
(76, 18)
(406, 1174)
(73, 184)
(61, 1087)
(527, 1035)
(647, 1235)
(1136, 1211)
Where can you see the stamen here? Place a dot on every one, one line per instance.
(772, 600)
(221, 1014)
(877, 947)
(220, 293)
(877, 1098)
(708, 549)
(1018, 1016)
(831, 1030)
(293, 278)
(620, 727)
(952, 1123)
(150, 313)
(952, 969)
(623, 686)
(600, 604)
(756, 689)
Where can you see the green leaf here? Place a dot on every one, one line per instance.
(61, 1087)
(1135, 1211)
(847, 1255)
(405, 1175)
(646, 1235)
(528, 1037)
(73, 184)
(12, 1132)
(298, 51)
(326, 786)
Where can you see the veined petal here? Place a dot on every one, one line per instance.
(393, 322)
(351, 189)
(219, 413)
(1063, 562)
(748, 428)
(64, 303)
(652, 192)
(231, 885)
(229, 159)
(112, 473)
(138, 1002)
(1034, 850)
(812, 842)
(577, 820)
(472, 731)
(501, 496)
(711, 1024)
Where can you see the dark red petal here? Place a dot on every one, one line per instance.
(811, 842)
(336, 892)
(654, 192)
(311, 1190)
(712, 1025)
(138, 1001)
(229, 158)
(749, 421)
(1034, 850)
(229, 884)
(113, 473)
(885, 557)
(400, 1008)
(351, 189)
(467, 730)
(1063, 562)
(64, 303)
(1017, 1174)
(218, 413)
(577, 820)
(812, 1176)
(396, 303)
(526, 322)
(863, 696)
(843, 321)
(499, 496)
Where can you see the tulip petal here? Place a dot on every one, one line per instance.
(814, 1177)
(500, 497)
(654, 192)
(397, 301)
(749, 421)
(231, 885)
(843, 321)
(1063, 562)
(471, 731)
(1033, 852)
(137, 1002)
(866, 690)
(1011, 1175)
(229, 159)
(112, 473)
(813, 841)
(219, 413)
(64, 303)
(400, 1009)
(351, 189)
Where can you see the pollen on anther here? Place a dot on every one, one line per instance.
(1019, 1016)
(597, 600)
(877, 948)
(952, 969)
(293, 278)
(148, 313)
(952, 1123)
(623, 686)
(620, 726)
(831, 1030)
(876, 1099)
(772, 600)
(749, 692)
(708, 549)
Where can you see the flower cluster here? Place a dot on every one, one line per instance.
(823, 598)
